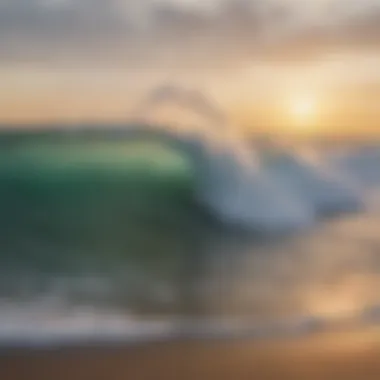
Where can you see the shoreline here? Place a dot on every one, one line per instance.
(330, 355)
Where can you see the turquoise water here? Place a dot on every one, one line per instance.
(85, 208)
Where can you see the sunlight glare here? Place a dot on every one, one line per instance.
(303, 108)
(302, 111)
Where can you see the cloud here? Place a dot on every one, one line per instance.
(154, 31)
(38, 27)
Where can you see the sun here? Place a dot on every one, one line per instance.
(303, 109)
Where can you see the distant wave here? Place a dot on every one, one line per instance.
(326, 188)
(362, 165)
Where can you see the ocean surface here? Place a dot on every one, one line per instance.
(120, 238)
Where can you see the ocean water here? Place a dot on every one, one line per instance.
(112, 237)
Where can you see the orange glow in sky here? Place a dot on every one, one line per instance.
(253, 61)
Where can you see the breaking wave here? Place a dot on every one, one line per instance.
(277, 190)
(85, 248)
(273, 190)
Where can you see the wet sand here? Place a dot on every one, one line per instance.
(335, 356)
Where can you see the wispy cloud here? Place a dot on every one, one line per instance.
(156, 30)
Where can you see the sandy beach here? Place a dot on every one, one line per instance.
(343, 355)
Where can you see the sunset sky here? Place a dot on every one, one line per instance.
(277, 64)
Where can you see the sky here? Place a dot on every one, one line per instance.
(268, 64)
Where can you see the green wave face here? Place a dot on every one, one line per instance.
(70, 205)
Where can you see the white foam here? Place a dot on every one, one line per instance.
(286, 193)
(244, 196)
(36, 326)
(31, 326)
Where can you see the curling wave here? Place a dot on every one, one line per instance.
(275, 191)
